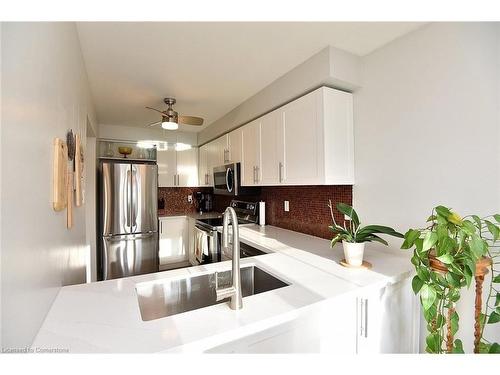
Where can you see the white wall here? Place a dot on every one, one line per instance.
(44, 93)
(135, 133)
(330, 66)
(427, 130)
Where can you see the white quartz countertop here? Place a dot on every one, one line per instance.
(105, 316)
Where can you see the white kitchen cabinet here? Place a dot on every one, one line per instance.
(327, 327)
(167, 167)
(308, 141)
(219, 151)
(187, 167)
(203, 171)
(234, 141)
(177, 168)
(388, 319)
(271, 146)
(250, 154)
(302, 138)
(174, 242)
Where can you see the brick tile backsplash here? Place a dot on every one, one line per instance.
(176, 202)
(308, 213)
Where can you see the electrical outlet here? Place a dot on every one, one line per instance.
(190, 198)
(287, 206)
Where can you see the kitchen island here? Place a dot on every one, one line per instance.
(325, 307)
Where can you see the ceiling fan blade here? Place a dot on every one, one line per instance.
(191, 120)
(155, 123)
(157, 110)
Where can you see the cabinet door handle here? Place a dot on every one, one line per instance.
(174, 179)
(161, 226)
(363, 329)
(257, 173)
(254, 168)
(281, 172)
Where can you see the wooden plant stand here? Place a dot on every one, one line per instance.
(481, 270)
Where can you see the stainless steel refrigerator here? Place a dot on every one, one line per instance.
(128, 219)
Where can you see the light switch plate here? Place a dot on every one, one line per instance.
(287, 206)
(190, 198)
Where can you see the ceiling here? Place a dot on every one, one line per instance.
(210, 68)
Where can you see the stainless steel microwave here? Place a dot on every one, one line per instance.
(227, 181)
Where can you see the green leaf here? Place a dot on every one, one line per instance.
(376, 238)
(423, 273)
(410, 238)
(478, 221)
(453, 279)
(415, 259)
(446, 245)
(454, 323)
(416, 284)
(494, 317)
(371, 229)
(443, 211)
(494, 348)
(430, 314)
(468, 276)
(495, 232)
(497, 218)
(446, 258)
(497, 299)
(430, 240)
(496, 279)
(458, 347)
(433, 344)
(427, 296)
(349, 211)
(477, 246)
(468, 227)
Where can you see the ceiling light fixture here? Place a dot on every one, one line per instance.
(169, 123)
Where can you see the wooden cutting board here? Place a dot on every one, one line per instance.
(60, 165)
(78, 171)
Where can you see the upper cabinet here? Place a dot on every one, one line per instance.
(204, 177)
(250, 154)
(306, 142)
(234, 146)
(177, 168)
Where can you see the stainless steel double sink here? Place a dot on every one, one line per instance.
(160, 299)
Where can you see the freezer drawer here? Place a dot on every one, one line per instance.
(129, 255)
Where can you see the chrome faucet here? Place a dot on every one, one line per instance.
(233, 291)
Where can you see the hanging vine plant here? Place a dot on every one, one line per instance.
(448, 255)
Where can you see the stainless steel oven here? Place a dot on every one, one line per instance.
(227, 181)
(206, 245)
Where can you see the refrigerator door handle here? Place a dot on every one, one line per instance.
(134, 199)
(126, 198)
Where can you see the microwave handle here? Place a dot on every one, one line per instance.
(228, 171)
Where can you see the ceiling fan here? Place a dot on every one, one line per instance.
(170, 119)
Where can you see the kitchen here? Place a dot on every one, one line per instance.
(203, 210)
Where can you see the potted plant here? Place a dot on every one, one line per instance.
(448, 254)
(354, 236)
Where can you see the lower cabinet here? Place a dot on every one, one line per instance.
(388, 320)
(174, 242)
(319, 328)
(378, 320)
